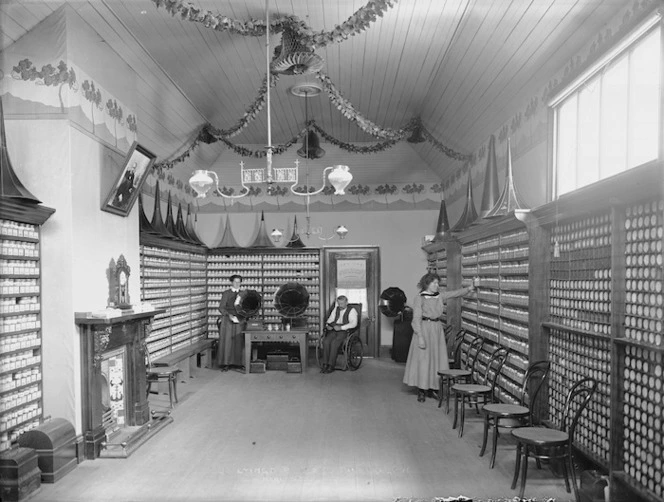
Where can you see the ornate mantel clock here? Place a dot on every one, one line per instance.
(120, 284)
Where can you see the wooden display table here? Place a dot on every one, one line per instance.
(279, 336)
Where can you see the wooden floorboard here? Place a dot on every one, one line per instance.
(291, 437)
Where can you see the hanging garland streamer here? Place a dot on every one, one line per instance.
(359, 21)
(379, 147)
(348, 110)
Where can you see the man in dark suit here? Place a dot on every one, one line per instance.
(126, 187)
(231, 327)
(341, 319)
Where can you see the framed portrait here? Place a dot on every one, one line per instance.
(125, 190)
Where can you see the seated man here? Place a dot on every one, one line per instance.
(342, 319)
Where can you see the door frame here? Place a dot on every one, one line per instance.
(372, 255)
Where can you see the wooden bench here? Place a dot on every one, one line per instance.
(186, 358)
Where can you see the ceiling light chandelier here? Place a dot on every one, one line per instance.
(203, 180)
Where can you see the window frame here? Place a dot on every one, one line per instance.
(644, 29)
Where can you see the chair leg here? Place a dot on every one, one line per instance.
(463, 414)
(524, 471)
(494, 447)
(448, 390)
(440, 391)
(456, 410)
(148, 386)
(485, 435)
(517, 465)
(565, 474)
(175, 388)
(574, 485)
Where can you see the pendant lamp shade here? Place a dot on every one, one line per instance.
(10, 185)
(469, 214)
(443, 226)
(295, 240)
(491, 190)
(340, 177)
(227, 239)
(311, 146)
(262, 239)
(509, 199)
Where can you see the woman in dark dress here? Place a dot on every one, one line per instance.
(231, 327)
(427, 354)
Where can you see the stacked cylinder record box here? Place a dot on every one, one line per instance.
(584, 290)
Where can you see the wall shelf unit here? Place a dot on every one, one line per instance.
(605, 265)
(580, 282)
(174, 278)
(20, 318)
(265, 270)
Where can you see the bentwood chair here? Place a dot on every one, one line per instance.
(511, 416)
(484, 388)
(158, 374)
(554, 444)
(458, 372)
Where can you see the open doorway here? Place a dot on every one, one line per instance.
(355, 273)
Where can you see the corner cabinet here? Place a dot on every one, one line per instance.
(173, 278)
(20, 319)
(265, 270)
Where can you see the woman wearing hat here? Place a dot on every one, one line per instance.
(231, 327)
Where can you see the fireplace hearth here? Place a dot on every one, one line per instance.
(116, 415)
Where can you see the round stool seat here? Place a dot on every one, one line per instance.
(506, 410)
(455, 373)
(540, 435)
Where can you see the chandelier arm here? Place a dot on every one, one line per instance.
(309, 194)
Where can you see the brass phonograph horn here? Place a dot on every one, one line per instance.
(250, 303)
(291, 299)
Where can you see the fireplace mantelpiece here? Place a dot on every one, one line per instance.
(100, 336)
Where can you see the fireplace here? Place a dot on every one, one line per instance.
(115, 413)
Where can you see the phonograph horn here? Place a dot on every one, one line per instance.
(250, 303)
(392, 302)
(291, 299)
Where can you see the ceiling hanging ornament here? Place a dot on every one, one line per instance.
(310, 143)
(509, 199)
(491, 193)
(469, 214)
(294, 58)
(417, 136)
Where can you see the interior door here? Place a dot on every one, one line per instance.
(355, 273)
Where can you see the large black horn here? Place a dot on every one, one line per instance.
(250, 303)
(392, 302)
(291, 299)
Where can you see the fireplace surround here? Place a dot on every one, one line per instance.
(116, 416)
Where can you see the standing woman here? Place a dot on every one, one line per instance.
(231, 326)
(428, 351)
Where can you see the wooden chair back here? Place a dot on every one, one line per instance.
(533, 381)
(577, 400)
(494, 367)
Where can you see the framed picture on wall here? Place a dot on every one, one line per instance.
(125, 190)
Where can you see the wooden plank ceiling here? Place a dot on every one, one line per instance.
(463, 66)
